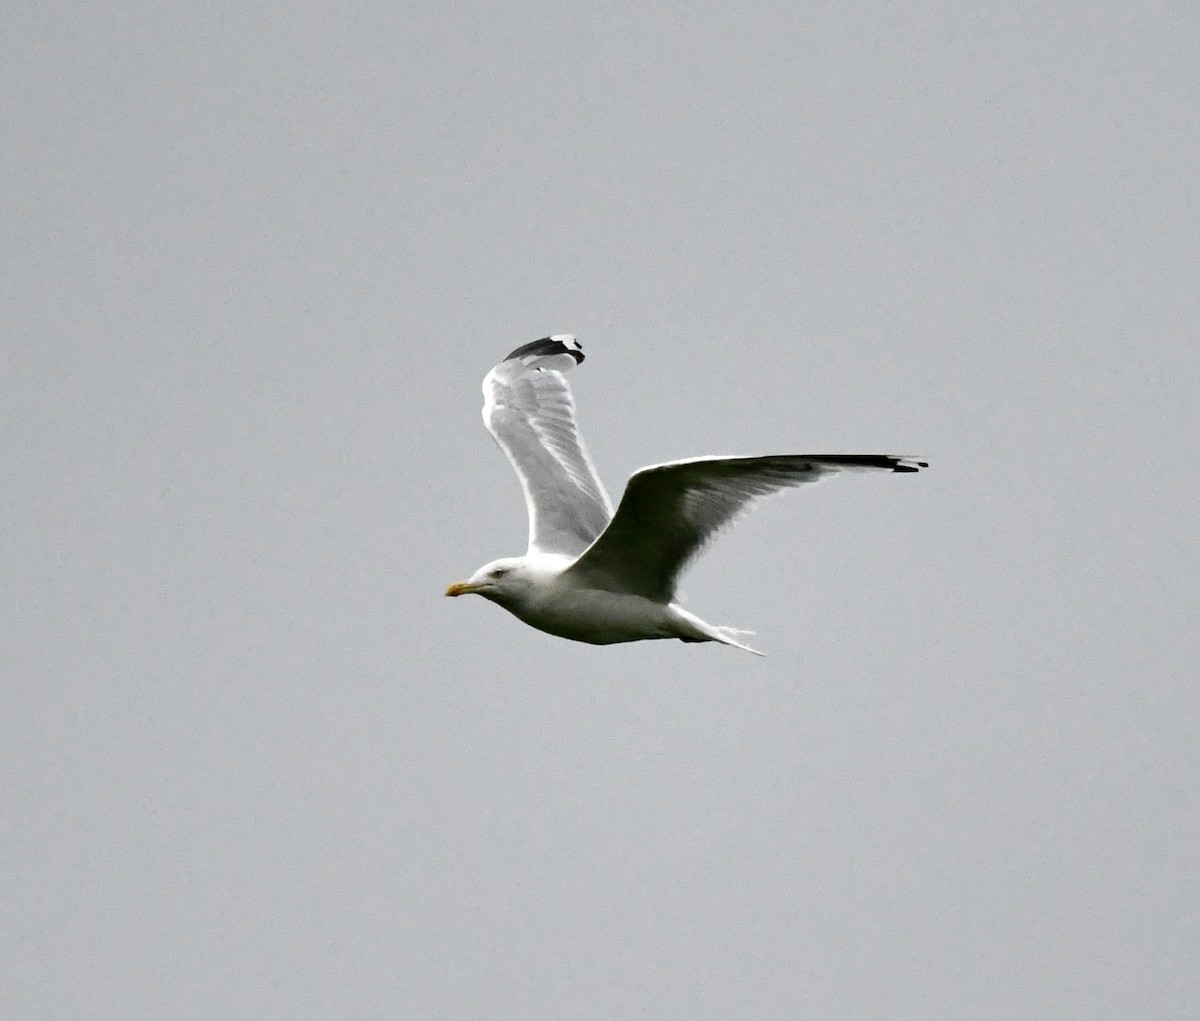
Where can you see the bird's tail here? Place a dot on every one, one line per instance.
(730, 636)
(687, 627)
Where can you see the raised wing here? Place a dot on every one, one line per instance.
(669, 511)
(529, 410)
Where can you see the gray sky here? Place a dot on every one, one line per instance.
(255, 766)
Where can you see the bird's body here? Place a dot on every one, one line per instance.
(554, 599)
(592, 575)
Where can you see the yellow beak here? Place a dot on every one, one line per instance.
(461, 588)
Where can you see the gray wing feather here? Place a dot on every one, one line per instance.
(669, 511)
(529, 411)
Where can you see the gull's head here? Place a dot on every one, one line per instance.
(501, 581)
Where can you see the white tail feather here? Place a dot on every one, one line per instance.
(730, 636)
(690, 628)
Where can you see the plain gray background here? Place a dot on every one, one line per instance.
(255, 267)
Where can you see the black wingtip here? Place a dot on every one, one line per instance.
(890, 461)
(562, 344)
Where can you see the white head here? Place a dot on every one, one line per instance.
(502, 581)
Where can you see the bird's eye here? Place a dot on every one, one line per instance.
(497, 573)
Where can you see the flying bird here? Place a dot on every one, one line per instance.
(596, 576)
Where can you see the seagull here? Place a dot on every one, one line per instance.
(592, 575)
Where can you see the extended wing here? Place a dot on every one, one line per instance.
(670, 510)
(529, 411)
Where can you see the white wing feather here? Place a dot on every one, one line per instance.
(529, 411)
